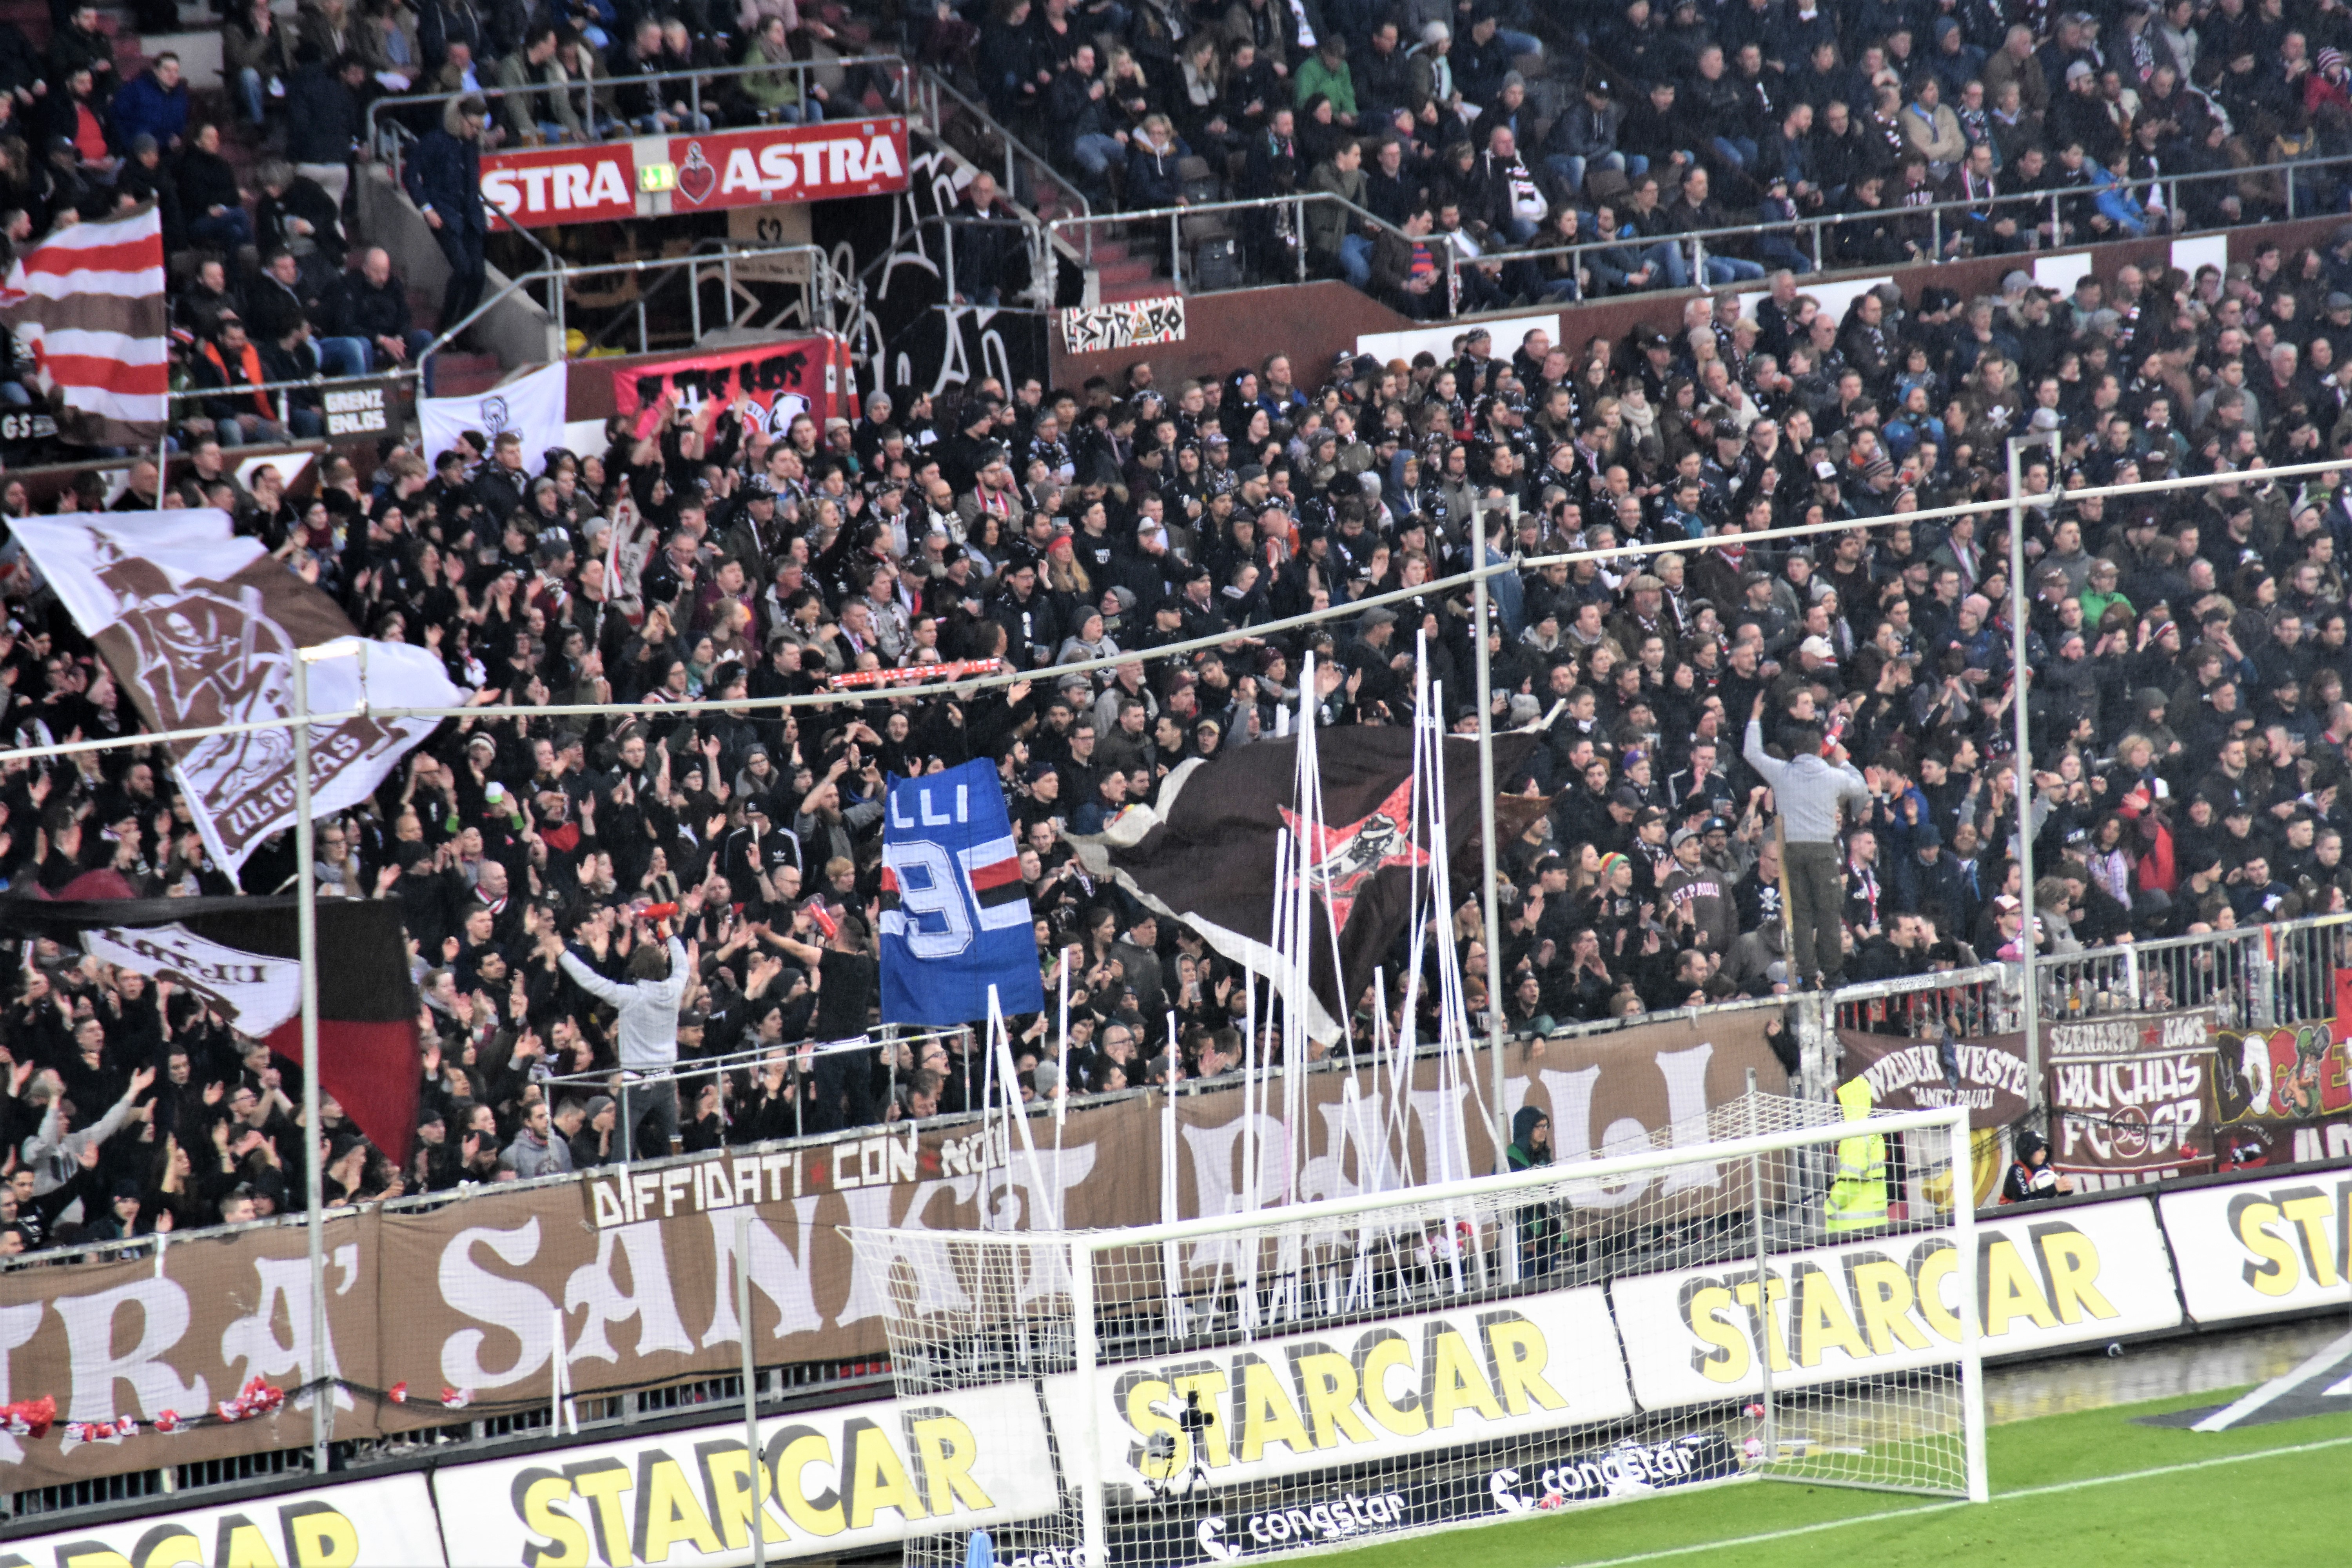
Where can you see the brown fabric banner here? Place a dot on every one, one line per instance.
(2132, 1096)
(466, 1296)
(1606, 1094)
(1989, 1077)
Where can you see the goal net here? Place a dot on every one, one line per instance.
(1252, 1385)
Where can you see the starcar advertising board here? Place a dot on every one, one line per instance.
(1351, 1395)
(384, 1523)
(1890, 1304)
(842, 1479)
(2248, 1250)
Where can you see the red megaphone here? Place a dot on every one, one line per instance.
(658, 911)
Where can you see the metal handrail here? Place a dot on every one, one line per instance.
(1300, 200)
(1933, 211)
(931, 83)
(600, 89)
(1028, 225)
(1815, 225)
(721, 251)
(823, 282)
(1982, 975)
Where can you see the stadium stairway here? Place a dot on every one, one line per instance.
(1119, 272)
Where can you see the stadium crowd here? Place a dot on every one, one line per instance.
(1503, 131)
(2187, 661)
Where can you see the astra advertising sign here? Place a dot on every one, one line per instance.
(653, 177)
(542, 185)
(777, 164)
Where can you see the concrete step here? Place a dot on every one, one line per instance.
(456, 374)
(1128, 270)
(1147, 288)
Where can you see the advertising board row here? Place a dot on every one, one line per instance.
(655, 176)
(1537, 1372)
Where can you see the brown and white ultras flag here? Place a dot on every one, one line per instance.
(200, 627)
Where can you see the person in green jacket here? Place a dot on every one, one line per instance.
(772, 95)
(1327, 73)
(1333, 235)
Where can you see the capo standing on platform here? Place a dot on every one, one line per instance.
(648, 1034)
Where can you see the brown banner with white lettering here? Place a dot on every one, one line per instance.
(463, 1299)
(1605, 1094)
(1989, 1076)
(2132, 1095)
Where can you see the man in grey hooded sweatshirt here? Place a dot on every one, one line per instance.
(648, 1036)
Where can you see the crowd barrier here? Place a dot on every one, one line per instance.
(464, 1299)
(2209, 1253)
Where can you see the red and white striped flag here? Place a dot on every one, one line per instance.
(88, 303)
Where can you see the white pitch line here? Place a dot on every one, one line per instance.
(2223, 1419)
(2055, 1487)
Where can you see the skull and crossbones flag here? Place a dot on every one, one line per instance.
(199, 628)
(1201, 855)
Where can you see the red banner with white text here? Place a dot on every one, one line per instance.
(542, 185)
(539, 186)
(774, 383)
(788, 164)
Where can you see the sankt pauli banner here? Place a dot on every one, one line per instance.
(639, 1267)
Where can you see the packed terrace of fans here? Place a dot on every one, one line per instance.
(2189, 651)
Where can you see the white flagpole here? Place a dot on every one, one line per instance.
(987, 1111)
(1170, 1256)
(1483, 610)
(1062, 1071)
(306, 927)
(1002, 1037)
(1250, 1052)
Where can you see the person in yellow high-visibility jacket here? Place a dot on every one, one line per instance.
(1858, 1197)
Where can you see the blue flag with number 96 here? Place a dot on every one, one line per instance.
(955, 913)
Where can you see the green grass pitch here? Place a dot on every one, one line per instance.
(2093, 1488)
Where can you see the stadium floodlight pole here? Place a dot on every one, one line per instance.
(305, 923)
(2020, 714)
(1483, 610)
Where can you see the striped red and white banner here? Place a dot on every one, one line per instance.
(88, 303)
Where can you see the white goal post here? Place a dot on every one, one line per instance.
(1395, 1361)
